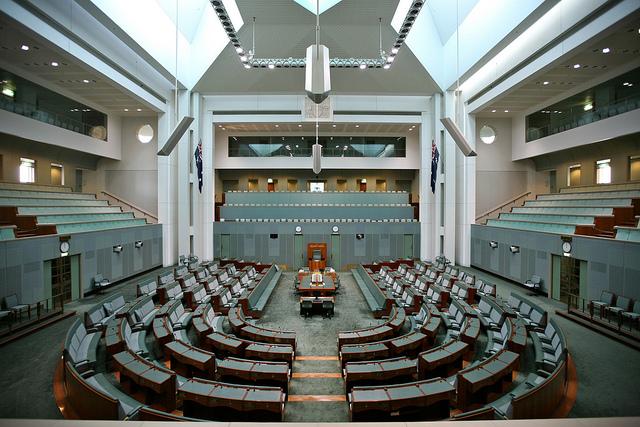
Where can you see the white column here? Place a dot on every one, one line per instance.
(466, 195)
(184, 179)
(428, 234)
(203, 203)
(167, 197)
(448, 155)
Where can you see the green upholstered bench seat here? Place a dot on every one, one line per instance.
(58, 210)
(533, 226)
(7, 232)
(127, 405)
(25, 201)
(374, 302)
(629, 234)
(589, 210)
(82, 217)
(592, 195)
(98, 225)
(552, 218)
(45, 194)
(581, 202)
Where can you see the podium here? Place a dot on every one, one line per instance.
(317, 256)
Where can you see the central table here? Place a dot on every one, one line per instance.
(326, 288)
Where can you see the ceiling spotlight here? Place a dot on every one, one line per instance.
(317, 125)
(277, 126)
(138, 109)
(243, 58)
(493, 111)
(545, 83)
(357, 126)
(588, 107)
(363, 66)
(394, 50)
(126, 109)
(224, 128)
(410, 129)
(334, 125)
(247, 66)
(85, 81)
(271, 66)
(606, 50)
(386, 66)
(576, 66)
(219, 126)
(239, 49)
(297, 146)
(54, 64)
(506, 111)
(391, 58)
(299, 126)
(24, 47)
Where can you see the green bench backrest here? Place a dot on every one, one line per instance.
(532, 226)
(580, 202)
(24, 201)
(72, 218)
(95, 226)
(595, 211)
(56, 210)
(563, 219)
(594, 195)
(45, 194)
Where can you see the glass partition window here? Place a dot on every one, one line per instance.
(27, 170)
(28, 99)
(332, 146)
(603, 171)
(634, 168)
(608, 99)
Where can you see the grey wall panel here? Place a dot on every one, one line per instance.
(612, 264)
(352, 251)
(22, 260)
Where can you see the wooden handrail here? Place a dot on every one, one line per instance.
(499, 207)
(145, 214)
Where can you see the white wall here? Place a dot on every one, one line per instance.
(498, 178)
(135, 177)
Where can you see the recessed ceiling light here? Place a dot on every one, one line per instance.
(334, 125)
(630, 84)
(299, 126)
(394, 50)
(506, 111)
(85, 81)
(126, 109)
(317, 125)
(24, 47)
(243, 58)
(410, 129)
(493, 111)
(576, 65)
(219, 126)
(363, 66)
(138, 109)
(247, 66)
(54, 64)
(224, 128)
(588, 107)
(297, 146)
(239, 49)
(386, 66)
(391, 58)
(545, 83)
(271, 66)
(277, 126)
(606, 50)
(357, 126)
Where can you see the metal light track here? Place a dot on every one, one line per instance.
(384, 61)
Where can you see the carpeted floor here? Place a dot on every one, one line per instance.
(608, 372)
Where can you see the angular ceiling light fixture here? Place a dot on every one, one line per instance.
(384, 61)
(182, 126)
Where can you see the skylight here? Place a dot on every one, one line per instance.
(310, 5)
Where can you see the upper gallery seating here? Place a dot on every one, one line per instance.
(594, 211)
(39, 210)
(302, 206)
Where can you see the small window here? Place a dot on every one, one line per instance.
(603, 171)
(316, 186)
(273, 236)
(27, 170)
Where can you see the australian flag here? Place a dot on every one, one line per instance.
(435, 156)
(198, 156)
